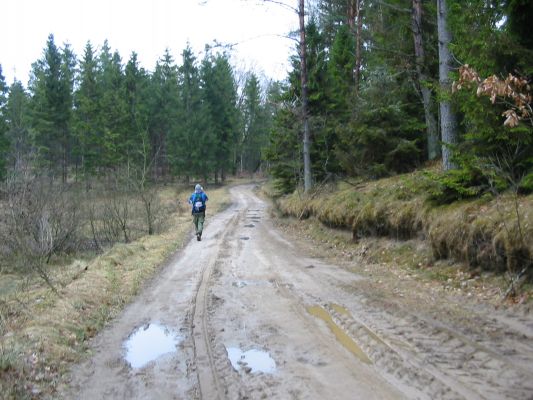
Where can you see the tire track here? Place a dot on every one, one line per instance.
(204, 352)
(428, 352)
(433, 358)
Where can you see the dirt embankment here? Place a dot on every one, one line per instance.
(489, 234)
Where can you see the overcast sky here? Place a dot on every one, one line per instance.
(147, 27)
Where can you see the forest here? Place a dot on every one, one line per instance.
(376, 89)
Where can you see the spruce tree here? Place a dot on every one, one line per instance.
(51, 85)
(112, 106)
(220, 98)
(134, 145)
(164, 110)
(4, 144)
(193, 142)
(18, 127)
(88, 127)
(253, 133)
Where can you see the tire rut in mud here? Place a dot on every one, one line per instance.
(207, 366)
(433, 360)
(424, 355)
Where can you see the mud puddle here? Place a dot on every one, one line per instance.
(340, 335)
(251, 361)
(148, 343)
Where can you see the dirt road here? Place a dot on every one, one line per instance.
(247, 314)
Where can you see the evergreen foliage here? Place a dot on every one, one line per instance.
(378, 127)
(96, 115)
(220, 97)
(163, 109)
(4, 144)
(370, 96)
(88, 127)
(18, 127)
(51, 87)
(254, 127)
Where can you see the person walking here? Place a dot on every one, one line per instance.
(198, 200)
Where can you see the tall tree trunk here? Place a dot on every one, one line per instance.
(353, 15)
(448, 120)
(305, 105)
(358, 44)
(427, 101)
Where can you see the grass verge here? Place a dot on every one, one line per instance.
(43, 333)
(488, 234)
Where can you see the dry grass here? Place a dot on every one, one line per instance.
(486, 234)
(43, 333)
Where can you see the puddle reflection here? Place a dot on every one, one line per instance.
(251, 361)
(149, 342)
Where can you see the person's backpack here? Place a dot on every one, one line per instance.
(198, 203)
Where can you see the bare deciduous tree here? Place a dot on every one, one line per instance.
(41, 219)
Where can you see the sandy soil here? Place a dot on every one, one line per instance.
(299, 326)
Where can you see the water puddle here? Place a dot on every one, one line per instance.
(149, 342)
(251, 361)
(341, 336)
(344, 311)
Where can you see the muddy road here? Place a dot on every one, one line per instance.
(248, 314)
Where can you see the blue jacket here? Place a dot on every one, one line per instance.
(198, 200)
